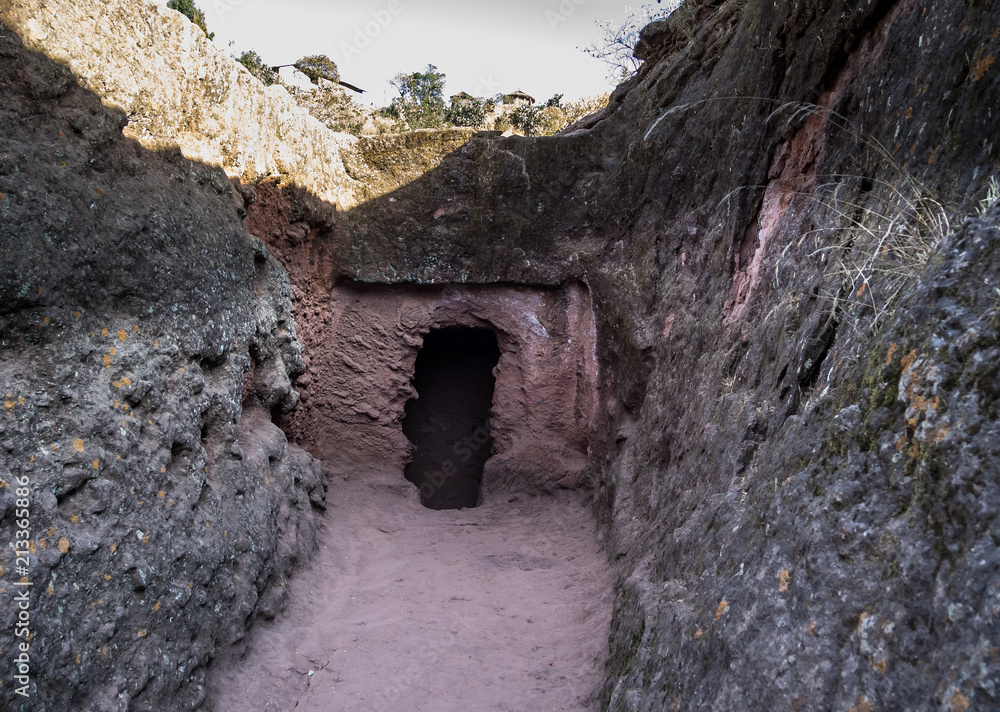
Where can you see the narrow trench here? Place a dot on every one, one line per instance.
(425, 597)
(449, 420)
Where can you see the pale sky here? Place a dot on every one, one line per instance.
(483, 48)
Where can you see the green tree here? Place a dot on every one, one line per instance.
(255, 65)
(318, 66)
(421, 98)
(528, 119)
(191, 11)
(470, 112)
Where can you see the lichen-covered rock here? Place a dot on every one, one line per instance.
(164, 509)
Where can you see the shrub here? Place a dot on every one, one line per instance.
(471, 112)
(528, 119)
(191, 11)
(318, 66)
(255, 65)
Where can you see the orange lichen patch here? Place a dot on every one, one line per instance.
(122, 335)
(76, 314)
(933, 155)
(104, 651)
(901, 443)
(142, 633)
(812, 628)
(107, 361)
(9, 405)
(861, 291)
(64, 545)
(114, 548)
(112, 351)
(861, 621)
(78, 445)
(20, 400)
(50, 531)
(162, 468)
(55, 446)
(908, 360)
(721, 610)
(880, 666)
(181, 369)
(97, 464)
(137, 329)
(909, 113)
(190, 584)
(783, 578)
(75, 518)
(892, 352)
(145, 538)
(32, 546)
(156, 606)
(698, 633)
(126, 382)
(863, 705)
(48, 320)
(100, 192)
(104, 331)
(107, 577)
(161, 494)
(981, 64)
(79, 657)
(959, 702)
(117, 384)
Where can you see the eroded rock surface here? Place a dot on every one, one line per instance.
(145, 338)
(794, 447)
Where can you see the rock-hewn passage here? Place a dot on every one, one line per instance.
(448, 420)
(502, 607)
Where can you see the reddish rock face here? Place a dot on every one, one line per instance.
(359, 380)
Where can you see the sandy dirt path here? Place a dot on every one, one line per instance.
(405, 609)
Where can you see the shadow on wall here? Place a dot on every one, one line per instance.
(133, 309)
(460, 245)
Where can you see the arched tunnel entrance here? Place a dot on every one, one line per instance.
(449, 420)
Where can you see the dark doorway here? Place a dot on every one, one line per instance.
(449, 421)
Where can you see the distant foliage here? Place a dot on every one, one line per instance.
(420, 104)
(618, 38)
(255, 65)
(191, 11)
(528, 119)
(470, 112)
(318, 66)
(555, 102)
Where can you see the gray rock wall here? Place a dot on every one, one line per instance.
(145, 339)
